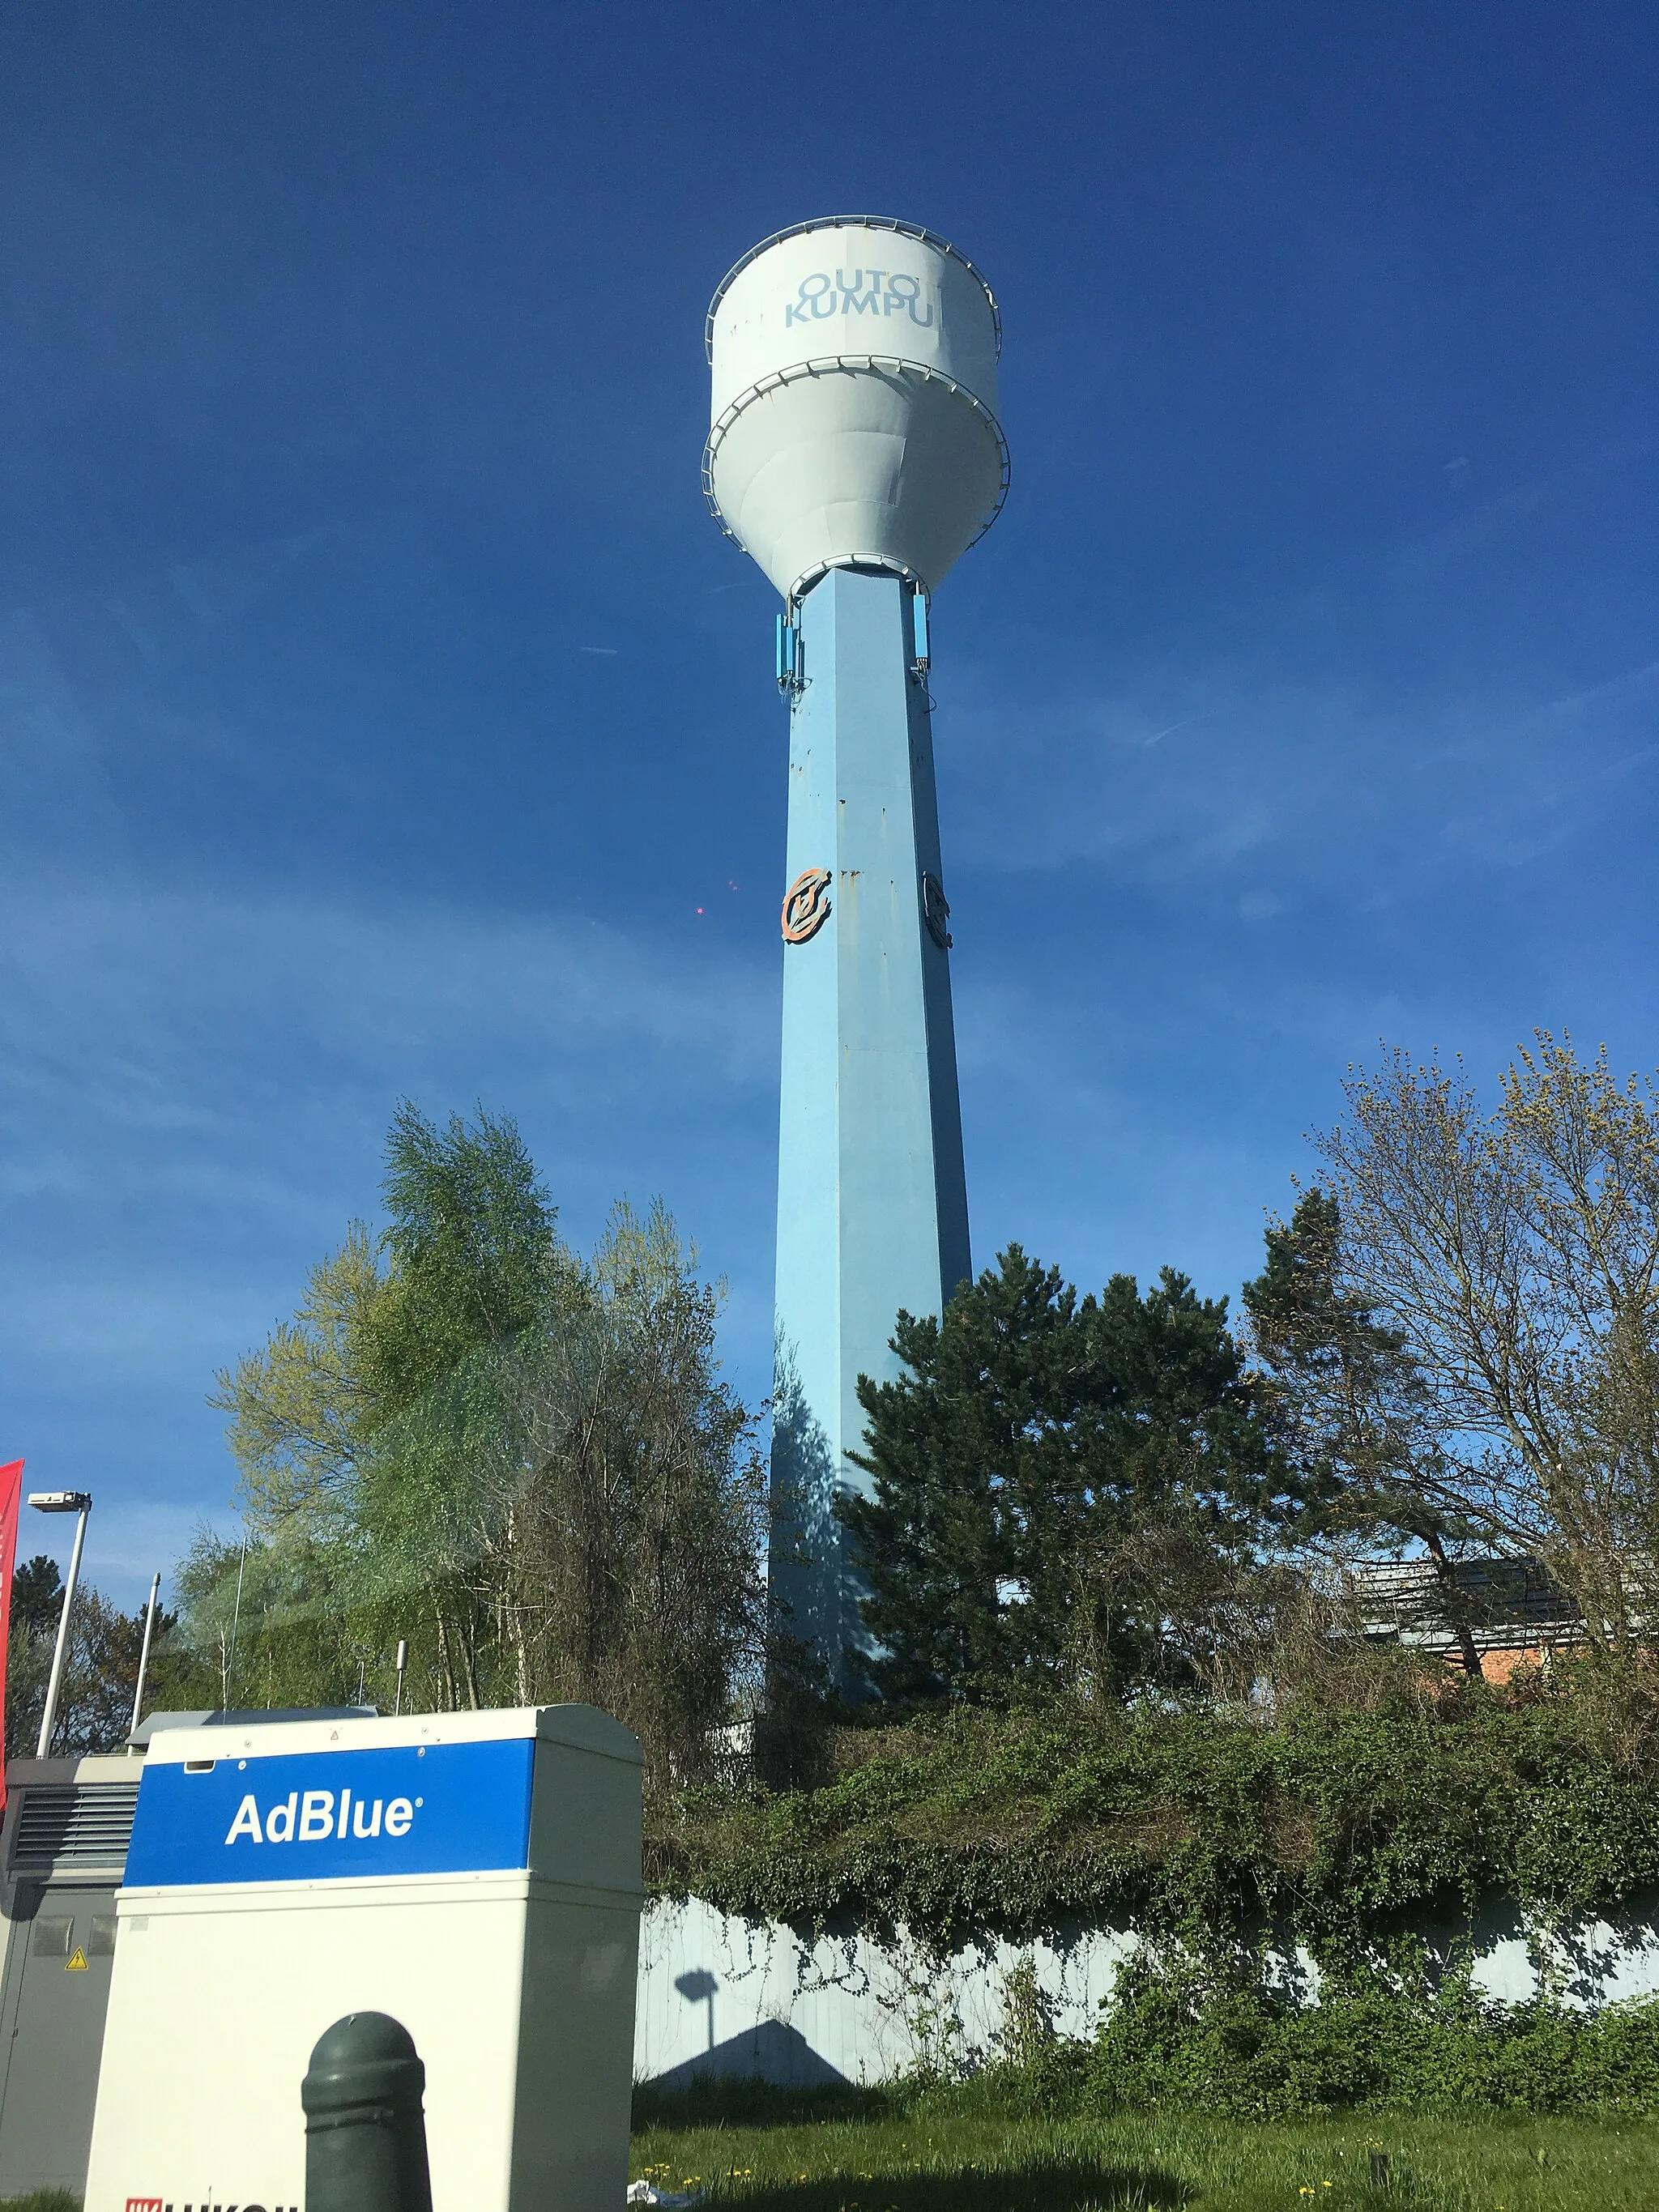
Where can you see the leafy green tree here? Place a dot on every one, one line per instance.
(470, 1257)
(1034, 1437)
(101, 1666)
(37, 1598)
(272, 1621)
(473, 1255)
(523, 1462)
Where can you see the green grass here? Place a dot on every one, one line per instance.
(943, 2151)
(42, 2200)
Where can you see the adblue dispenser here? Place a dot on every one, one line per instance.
(475, 1876)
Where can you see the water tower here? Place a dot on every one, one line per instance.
(854, 453)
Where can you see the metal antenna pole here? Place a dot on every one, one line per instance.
(403, 1662)
(49, 1718)
(235, 1623)
(143, 1655)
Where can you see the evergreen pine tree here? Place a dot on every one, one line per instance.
(1349, 1404)
(1031, 1431)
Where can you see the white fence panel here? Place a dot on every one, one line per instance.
(722, 1996)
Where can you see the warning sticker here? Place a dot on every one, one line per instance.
(76, 1961)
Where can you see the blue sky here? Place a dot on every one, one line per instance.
(379, 706)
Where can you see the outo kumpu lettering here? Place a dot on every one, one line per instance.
(313, 1816)
(871, 292)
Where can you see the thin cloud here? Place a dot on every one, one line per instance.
(1334, 791)
(194, 1089)
(138, 1005)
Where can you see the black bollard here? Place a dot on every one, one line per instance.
(365, 2129)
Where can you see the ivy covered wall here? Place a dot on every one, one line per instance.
(1255, 1914)
(1342, 1832)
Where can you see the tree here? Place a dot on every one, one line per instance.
(37, 1599)
(1517, 1255)
(524, 1462)
(1034, 1437)
(1351, 1405)
(986, 1408)
(472, 1257)
(101, 1666)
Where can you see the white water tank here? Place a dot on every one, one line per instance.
(854, 420)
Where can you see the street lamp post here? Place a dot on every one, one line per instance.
(61, 1501)
(144, 1656)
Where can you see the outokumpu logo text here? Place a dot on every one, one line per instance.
(871, 292)
(312, 1816)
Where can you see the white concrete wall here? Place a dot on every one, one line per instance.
(724, 1996)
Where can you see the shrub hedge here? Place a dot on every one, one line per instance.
(1337, 1825)
(1349, 1826)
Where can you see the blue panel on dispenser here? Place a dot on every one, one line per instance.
(322, 1816)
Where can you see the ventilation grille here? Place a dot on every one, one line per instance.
(63, 1824)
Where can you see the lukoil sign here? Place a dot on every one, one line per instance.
(160, 2205)
(426, 1809)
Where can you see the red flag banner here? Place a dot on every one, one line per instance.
(11, 1500)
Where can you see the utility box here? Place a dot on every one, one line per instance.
(477, 1875)
(62, 1852)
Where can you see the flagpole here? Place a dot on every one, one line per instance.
(144, 1656)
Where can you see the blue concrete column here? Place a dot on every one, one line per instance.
(872, 1202)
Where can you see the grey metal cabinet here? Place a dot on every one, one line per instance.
(64, 1844)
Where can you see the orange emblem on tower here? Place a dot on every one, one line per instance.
(806, 905)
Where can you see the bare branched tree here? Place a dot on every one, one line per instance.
(1218, 1617)
(1516, 1253)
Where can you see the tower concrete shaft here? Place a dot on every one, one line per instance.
(872, 1203)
